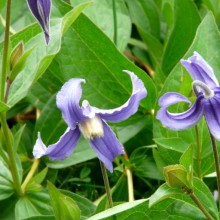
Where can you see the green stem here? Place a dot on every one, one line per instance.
(130, 185)
(215, 152)
(115, 22)
(107, 186)
(30, 174)
(11, 154)
(5, 51)
(199, 204)
(198, 152)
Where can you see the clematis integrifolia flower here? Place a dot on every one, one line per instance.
(90, 122)
(207, 91)
(41, 10)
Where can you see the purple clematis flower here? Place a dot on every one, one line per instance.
(90, 122)
(207, 90)
(41, 10)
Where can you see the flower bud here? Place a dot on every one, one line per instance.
(176, 176)
(16, 55)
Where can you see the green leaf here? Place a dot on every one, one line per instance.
(64, 207)
(200, 190)
(33, 204)
(6, 182)
(87, 208)
(42, 55)
(163, 192)
(3, 107)
(101, 13)
(183, 31)
(139, 209)
(145, 15)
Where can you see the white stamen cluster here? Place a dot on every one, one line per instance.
(92, 128)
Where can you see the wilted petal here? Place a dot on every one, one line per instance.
(41, 11)
(107, 147)
(60, 150)
(211, 110)
(68, 102)
(199, 69)
(179, 121)
(39, 147)
(130, 107)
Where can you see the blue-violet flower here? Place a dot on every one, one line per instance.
(207, 90)
(41, 10)
(90, 122)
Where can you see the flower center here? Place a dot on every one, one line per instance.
(92, 128)
(207, 92)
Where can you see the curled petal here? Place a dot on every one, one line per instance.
(107, 147)
(200, 70)
(60, 150)
(211, 110)
(172, 98)
(41, 10)
(39, 147)
(68, 102)
(130, 107)
(179, 121)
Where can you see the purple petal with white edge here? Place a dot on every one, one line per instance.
(41, 10)
(179, 121)
(130, 107)
(39, 147)
(60, 150)
(68, 102)
(172, 98)
(211, 110)
(65, 145)
(107, 147)
(199, 69)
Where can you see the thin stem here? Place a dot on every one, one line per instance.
(5, 51)
(115, 21)
(129, 179)
(106, 183)
(215, 152)
(7, 90)
(30, 174)
(198, 152)
(11, 154)
(199, 204)
(130, 185)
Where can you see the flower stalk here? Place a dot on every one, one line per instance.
(11, 155)
(5, 50)
(106, 183)
(215, 153)
(30, 174)
(199, 204)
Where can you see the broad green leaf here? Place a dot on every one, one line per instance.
(143, 164)
(64, 207)
(7, 208)
(101, 13)
(87, 208)
(41, 55)
(183, 31)
(101, 65)
(200, 190)
(139, 209)
(33, 204)
(6, 181)
(145, 16)
(180, 81)
(41, 217)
